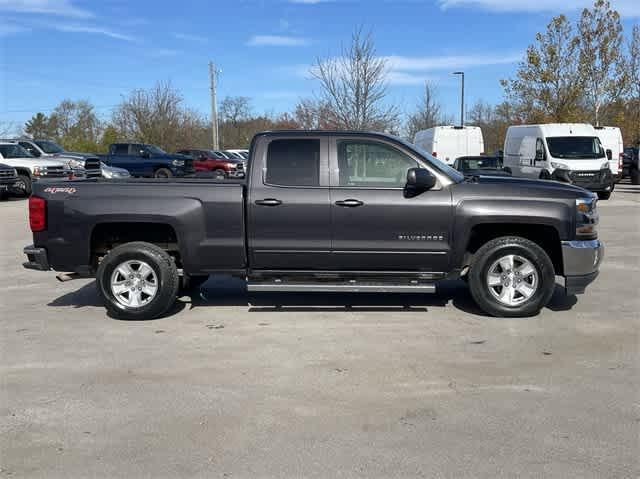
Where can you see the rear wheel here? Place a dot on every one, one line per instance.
(511, 277)
(604, 195)
(162, 173)
(23, 185)
(137, 281)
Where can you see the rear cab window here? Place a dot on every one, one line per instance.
(293, 162)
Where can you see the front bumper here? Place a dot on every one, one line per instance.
(235, 173)
(581, 260)
(37, 258)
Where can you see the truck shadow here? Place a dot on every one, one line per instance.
(224, 291)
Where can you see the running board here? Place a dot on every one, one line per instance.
(341, 287)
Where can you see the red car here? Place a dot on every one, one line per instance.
(215, 162)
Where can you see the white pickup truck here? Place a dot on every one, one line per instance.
(30, 168)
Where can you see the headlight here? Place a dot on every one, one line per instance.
(560, 166)
(75, 164)
(177, 162)
(586, 218)
(37, 171)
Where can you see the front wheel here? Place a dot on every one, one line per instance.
(137, 281)
(219, 174)
(604, 195)
(511, 277)
(23, 185)
(162, 173)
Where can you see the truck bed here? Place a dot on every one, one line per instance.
(94, 215)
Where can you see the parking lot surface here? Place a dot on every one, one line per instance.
(302, 385)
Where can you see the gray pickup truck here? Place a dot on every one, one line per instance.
(321, 211)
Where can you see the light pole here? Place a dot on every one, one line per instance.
(461, 99)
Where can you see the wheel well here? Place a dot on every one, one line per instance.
(23, 171)
(545, 236)
(107, 236)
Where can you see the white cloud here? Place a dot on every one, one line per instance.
(626, 8)
(92, 30)
(52, 7)
(404, 63)
(188, 37)
(403, 78)
(276, 41)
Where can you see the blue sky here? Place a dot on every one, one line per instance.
(101, 50)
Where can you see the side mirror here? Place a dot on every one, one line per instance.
(609, 155)
(144, 153)
(419, 180)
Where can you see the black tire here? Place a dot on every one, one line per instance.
(4, 195)
(635, 176)
(491, 252)
(604, 195)
(190, 283)
(219, 174)
(163, 173)
(163, 266)
(23, 186)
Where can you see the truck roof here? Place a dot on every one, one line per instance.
(560, 129)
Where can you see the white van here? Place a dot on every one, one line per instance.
(451, 142)
(611, 139)
(569, 152)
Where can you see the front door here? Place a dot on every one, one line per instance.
(375, 226)
(288, 207)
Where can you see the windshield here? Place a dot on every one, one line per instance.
(575, 147)
(439, 165)
(216, 154)
(480, 163)
(14, 151)
(154, 150)
(50, 147)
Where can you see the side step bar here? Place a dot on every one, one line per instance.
(341, 287)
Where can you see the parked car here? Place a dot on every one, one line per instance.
(111, 172)
(611, 140)
(451, 142)
(83, 165)
(8, 179)
(240, 151)
(234, 155)
(569, 152)
(29, 169)
(148, 161)
(480, 165)
(322, 211)
(214, 162)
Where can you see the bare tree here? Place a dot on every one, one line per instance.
(633, 76)
(235, 109)
(601, 62)
(311, 114)
(354, 87)
(428, 114)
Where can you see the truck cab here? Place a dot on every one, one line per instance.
(567, 152)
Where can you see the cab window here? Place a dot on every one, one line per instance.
(370, 164)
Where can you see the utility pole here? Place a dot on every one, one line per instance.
(461, 99)
(214, 109)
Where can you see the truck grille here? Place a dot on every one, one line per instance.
(7, 173)
(92, 168)
(54, 172)
(585, 176)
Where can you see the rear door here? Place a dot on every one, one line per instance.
(289, 220)
(375, 227)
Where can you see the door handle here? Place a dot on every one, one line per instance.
(350, 203)
(268, 202)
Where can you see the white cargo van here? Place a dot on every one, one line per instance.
(451, 142)
(611, 139)
(569, 152)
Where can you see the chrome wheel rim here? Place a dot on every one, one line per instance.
(21, 185)
(512, 280)
(134, 284)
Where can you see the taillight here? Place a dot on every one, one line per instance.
(434, 153)
(37, 213)
(620, 161)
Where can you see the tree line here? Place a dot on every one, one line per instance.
(583, 72)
